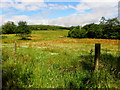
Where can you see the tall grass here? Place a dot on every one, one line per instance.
(57, 68)
(51, 60)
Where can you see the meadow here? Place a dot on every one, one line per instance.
(52, 60)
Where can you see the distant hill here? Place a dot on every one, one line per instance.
(48, 27)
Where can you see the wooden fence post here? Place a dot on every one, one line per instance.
(15, 48)
(97, 57)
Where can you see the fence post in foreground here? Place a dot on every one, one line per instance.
(97, 57)
(15, 48)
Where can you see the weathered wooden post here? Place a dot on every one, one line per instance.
(97, 57)
(15, 48)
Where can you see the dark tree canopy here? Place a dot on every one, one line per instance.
(107, 29)
(23, 30)
(9, 28)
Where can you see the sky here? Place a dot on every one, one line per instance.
(57, 12)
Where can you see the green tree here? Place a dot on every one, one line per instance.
(9, 28)
(112, 29)
(23, 30)
(113, 22)
(77, 32)
(102, 20)
(107, 29)
(92, 30)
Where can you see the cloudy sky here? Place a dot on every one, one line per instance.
(57, 12)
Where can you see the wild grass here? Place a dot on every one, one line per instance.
(59, 62)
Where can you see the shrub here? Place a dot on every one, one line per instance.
(77, 32)
(23, 30)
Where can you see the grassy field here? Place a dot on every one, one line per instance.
(52, 60)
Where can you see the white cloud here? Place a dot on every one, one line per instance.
(32, 0)
(6, 0)
(23, 6)
(59, 7)
(99, 8)
(20, 17)
(1, 19)
(107, 10)
(59, 0)
(8, 5)
(19, 6)
(31, 5)
(82, 7)
(32, 8)
(35, 6)
(99, 0)
(17, 18)
(22, 0)
(95, 4)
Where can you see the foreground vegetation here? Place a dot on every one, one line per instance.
(52, 60)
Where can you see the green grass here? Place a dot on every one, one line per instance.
(39, 35)
(58, 62)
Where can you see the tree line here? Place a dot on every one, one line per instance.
(11, 28)
(47, 27)
(106, 29)
(22, 29)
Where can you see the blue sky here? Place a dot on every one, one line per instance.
(57, 12)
